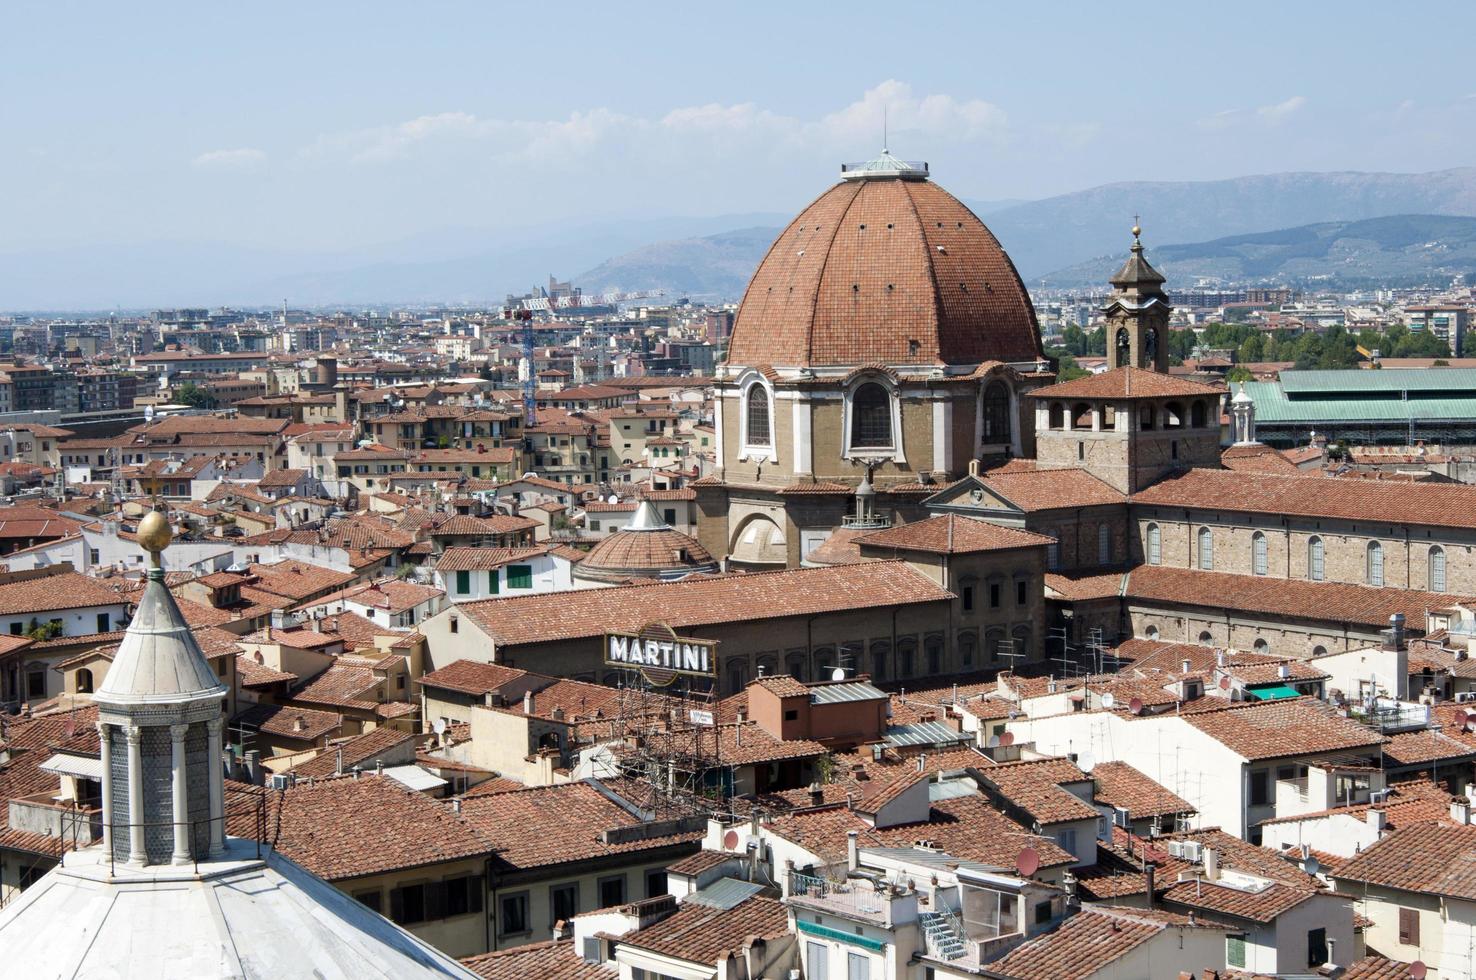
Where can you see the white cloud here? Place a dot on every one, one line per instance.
(1281, 111)
(681, 132)
(243, 157)
(1221, 120)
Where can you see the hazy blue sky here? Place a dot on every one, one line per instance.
(326, 125)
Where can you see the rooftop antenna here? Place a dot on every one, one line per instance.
(884, 129)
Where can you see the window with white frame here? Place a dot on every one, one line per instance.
(1375, 563)
(871, 417)
(1206, 549)
(1258, 554)
(758, 422)
(1155, 545)
(1437, 569)
(1315, 554)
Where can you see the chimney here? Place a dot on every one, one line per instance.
(1212, 864)
(853, 856)
(1220, 658)
(1377, 820)
(1283, 671)
(298, 725)
(527, 702)
(1394, 635)
(456, 806)
(1460, 810)
(742, 715)
(922, 761)
(1148, 873)
(1184, 664)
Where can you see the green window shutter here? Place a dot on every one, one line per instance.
(1235, 951)
(463, 582)
(520, 576)
(492, 582)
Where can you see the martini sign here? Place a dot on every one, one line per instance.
(661, 655)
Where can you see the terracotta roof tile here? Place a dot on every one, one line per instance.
(1368, 502)
(703, 934)
(1336, 601)
(699, 602)
(1127, 382)
(951, 534)
(1037, 490)
(1430, 858)
(1121, 786)
(284, 719)
(353, 752)
(348, 828)
(471, 677)
(553, 825)
(1276, 729)
(1088, 943)
(933, 285)
(551, 960)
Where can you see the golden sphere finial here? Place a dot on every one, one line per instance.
(154, 533)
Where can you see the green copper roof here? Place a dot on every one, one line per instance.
(1386, 380)
(1352, 404)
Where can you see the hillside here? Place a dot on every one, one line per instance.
(479, 263)
(1058, 232)
(716, 267)
(1407, 249)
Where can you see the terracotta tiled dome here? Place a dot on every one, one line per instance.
(886, 268)
(647, 548)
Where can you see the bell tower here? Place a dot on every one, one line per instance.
(1137, 314)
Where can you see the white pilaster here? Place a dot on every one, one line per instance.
(717, 427)
(137, 851)
(803, 448)
(179, 791)
(213, 728)
(105, 744)
(943, 435)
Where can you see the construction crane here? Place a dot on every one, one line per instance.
(530, 383)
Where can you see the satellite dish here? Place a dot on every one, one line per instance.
(439, 726)
(1027, 862)
(1418, 969)
(1085, 761)
(839, 674)
(993, 741)
(1224, 683)
(1136, 706)
(730, 840)
(1007, 738)
(1108, 701)
(1313, 866)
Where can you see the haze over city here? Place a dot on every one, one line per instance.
(354, 133)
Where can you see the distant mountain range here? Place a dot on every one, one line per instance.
(1407, 249)
(1044, 236)
(716, 267)
(709, 258)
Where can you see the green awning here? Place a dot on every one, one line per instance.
(1273, 692)
(826, 932)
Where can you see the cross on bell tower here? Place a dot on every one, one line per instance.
(1137, 313)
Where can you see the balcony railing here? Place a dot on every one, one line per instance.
(853, 898)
